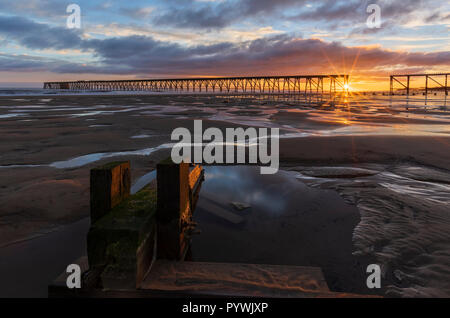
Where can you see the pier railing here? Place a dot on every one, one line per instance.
(297, 84)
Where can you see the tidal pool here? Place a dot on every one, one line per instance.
(246, 217)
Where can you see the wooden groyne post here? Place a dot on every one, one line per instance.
(177, 196)
(109, 185)
(129, 232)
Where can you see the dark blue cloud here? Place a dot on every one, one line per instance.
(38, 35)
(49, 9)
(212, 15)
(350, 12)
(21, 63)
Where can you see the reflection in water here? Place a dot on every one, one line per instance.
(11, 115)
(287, 223)
(439, 193)
(243, 184)
(86, 159)
(140, 136)
(143, 181)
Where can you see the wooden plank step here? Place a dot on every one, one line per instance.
(231, 279)
(159, 288)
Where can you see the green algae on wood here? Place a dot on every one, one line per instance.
(123, 238)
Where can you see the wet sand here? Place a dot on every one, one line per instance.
(28, 267)
(424, 150)
(36, 197)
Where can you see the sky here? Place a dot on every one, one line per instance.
(181, 38)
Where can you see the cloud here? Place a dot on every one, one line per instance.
(352, 15)
(216, 15)
(50, 9)
(145, 56)
(137, 13)
(330, 13)
(38, 35)
(438, 17)
(26, 63)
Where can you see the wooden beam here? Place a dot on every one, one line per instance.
(109, 185)
(173, 209)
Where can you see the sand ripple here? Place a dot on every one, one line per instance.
(405, 224)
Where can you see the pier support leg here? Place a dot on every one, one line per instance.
(392, 86)
(446, 86)
(407, 86)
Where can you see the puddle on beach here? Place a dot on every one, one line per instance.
(11, 115)
(246, 217)
(86, 159)
(143, 136)
(83, 160)
(99, 125)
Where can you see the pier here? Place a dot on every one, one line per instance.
(441, 79)
(297, 84)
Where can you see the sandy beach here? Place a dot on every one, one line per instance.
(373, 161)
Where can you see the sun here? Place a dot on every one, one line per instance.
(347, 87)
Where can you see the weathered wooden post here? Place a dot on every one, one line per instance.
(121, 238)
(110, 184)
(129, 232)
(196, 177)
(173, 209)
